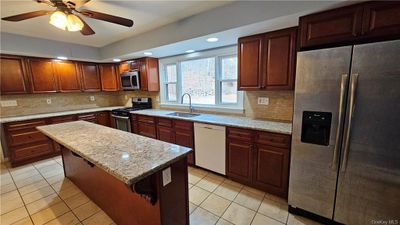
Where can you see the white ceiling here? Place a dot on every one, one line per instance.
(147, 15)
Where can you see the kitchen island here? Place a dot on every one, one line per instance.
(134, 179)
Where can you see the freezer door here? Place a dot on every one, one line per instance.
(321, 81)
(369, 177)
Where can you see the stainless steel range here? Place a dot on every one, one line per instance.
(122, 116)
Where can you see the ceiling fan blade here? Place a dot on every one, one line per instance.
(86, 30)
(107, 17)
(25, 16)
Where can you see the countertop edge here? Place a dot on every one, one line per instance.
(54, 114)
(193, 119)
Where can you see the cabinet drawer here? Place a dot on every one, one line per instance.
(239, 134)
(91, 117)
(24, 125)
(62, 119)
(31, 151)
(146, 119)
(271, 139)
(164, 122)
(25, 136)
(183, 125)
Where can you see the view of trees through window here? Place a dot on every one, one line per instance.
(209, 80)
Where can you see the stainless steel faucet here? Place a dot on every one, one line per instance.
(190, 101)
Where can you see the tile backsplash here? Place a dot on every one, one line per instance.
(280, 105)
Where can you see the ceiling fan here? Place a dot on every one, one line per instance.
(66, 17)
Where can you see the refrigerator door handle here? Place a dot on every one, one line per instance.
(353, 87)
(343, 87)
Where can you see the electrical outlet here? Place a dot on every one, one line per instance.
(166, 175)
(48, 101)
(92, 98)
(158, 98)
(9, 103)
(263, 100)
(126, 97)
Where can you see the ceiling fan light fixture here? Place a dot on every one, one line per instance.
(59, 20)
(74, 23)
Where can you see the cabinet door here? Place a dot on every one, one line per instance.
(90, 77)
(279, 59)
(381, 19)
(42, 76)
(67, 76)
(271, 169)
(250, 62)
(109, 77)
(146, 129)
(124, 67)
(103, 118)
(239, 158)
(13, 75)
(149, 77)
(330, 27)
(166, 134)
(185, 138)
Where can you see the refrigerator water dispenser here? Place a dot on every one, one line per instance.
(316, 127)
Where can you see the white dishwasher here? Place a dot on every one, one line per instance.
(209, 142)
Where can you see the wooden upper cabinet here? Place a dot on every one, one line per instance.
(109, 77)
(90, 77)
(68, 76)
(267, 61)
(148, 73)
(13, 75)
(124, 66)
(42, 76)
(280, 59)
(250, 65)
(368, 21)
(381, 19)
(337, 25)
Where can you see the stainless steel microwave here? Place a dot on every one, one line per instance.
(130, 80)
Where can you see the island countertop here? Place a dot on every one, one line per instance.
(126, 156)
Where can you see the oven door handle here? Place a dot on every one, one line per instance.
(120, 117)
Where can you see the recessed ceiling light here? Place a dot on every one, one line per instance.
(189, 51)
(148, 53)
(117, 60)
(62, 58)
(213, 39)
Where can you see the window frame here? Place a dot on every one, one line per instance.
(218, 55)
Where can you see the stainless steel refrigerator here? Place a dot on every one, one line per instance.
(345, 156)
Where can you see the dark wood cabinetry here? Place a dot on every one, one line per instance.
(109, 77)
(352, 24)
(68, 76)
(148, 72)
(90, 77)
(259, 159)
(178, 132)
(42, 76)
(13, 75)
(26, 144)
(267, 61)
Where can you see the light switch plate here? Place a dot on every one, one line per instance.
(166, 174)
(263, 100)
(9, 103)
(48, 101)
(92, 98)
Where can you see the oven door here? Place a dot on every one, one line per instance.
(122, 123)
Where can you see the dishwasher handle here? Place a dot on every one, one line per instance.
(208, 126)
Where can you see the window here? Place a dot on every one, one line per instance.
(209, 77)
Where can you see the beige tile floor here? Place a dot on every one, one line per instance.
(38, 193)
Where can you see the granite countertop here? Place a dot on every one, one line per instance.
(126, 156)
(234, 121)
(63, 113)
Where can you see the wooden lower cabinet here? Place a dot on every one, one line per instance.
(26, 144)
(239, 158)
(271, 170)
(146, 129)
(259, 159)
(166, 134)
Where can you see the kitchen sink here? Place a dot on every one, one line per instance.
(181, 114)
